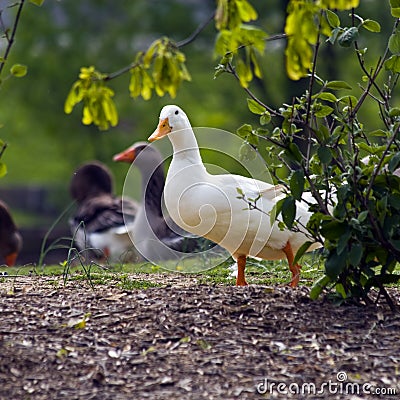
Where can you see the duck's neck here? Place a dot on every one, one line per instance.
(152, 189)
(185, 147)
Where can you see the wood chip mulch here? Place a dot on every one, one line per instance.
(190, 341)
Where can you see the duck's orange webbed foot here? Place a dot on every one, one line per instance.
(294, 268)
(240, 279)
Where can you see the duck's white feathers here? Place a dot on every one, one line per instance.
(210, 205)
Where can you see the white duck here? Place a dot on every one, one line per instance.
(208, 205)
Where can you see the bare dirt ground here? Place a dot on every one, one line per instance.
(189, 341)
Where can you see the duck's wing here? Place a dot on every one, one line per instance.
(102, 213)
(273, 192)
(251, 188)
(129, 208)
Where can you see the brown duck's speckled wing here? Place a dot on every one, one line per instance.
(104, 212)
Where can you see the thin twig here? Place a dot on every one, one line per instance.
(10, 39)
(372, 78)
(232, 71)
(378, 167)
(180, 44)
(3, 148)
(197, 32)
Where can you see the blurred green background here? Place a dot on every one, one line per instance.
(55, 40)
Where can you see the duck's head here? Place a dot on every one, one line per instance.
(89, 180)
(148, 155)
(172, 118)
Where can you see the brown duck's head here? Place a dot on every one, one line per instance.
(10, 238)
(89, 180)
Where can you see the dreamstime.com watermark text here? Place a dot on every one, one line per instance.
(340, 386)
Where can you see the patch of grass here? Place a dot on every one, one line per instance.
(264, 272)
(127, 283)
(257, 272)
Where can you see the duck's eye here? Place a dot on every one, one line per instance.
(176, 112)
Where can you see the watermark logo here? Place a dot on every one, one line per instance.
(340, 385)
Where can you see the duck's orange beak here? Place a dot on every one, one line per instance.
(11, 259)
(162, 129)
(127, 155)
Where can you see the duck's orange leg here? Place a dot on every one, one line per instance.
(294, 268)
(241, 262)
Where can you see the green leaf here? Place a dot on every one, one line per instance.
(276, 210)
(394, 43)
(246, 11)
(251, 35)
(394, 112)
(333, 229)
(256, 65)
(393, 64)
(147, 85)
(289, 211)
(265, 118)
(395, 8)
(3, 169)
(355, 254)
(336, 85)
(371, 25)
(110, 111)
(323, 111)
(302, 34)
(255, 107)
(343, 242)
(378, 133)
(297, 184)
(350, 101)
(394, 162)
(37, 2)
(301, 251)
(348, 37)
(244, 72)
(334, 34)
(324, 154)
(327, 96)
(363, 216)
(295, 152)
(244, 130)
(341, 290)
(253, 139)
(339, 4)
(19, 70)
(319, 285)
(332, 18)
(335, 264)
